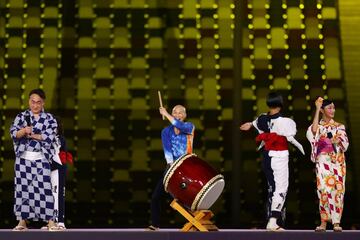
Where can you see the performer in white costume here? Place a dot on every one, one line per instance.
(58, 175)
(275, 132)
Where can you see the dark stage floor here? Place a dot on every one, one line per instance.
(175, 234)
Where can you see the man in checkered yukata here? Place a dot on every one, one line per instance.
(33, 132)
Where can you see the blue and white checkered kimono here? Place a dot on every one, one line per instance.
(33, 195)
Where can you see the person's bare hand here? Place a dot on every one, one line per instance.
(27, 130)
(36, 136)
(163, 111)
(246, 126)
(319, 102)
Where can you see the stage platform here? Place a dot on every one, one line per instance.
(175, 234)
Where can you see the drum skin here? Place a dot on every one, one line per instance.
(189, 179)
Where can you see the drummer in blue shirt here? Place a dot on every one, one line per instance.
(177, 140)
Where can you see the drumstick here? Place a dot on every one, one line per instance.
(160, 101)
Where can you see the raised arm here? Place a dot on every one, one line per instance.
(184, 127)
(315, 123)
(165, 113)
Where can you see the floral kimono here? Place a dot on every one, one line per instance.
(328, 145)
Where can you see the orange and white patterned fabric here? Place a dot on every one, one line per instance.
(328, 145)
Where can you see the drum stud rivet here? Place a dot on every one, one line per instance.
(183, 185)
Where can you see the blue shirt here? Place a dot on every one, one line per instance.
(176, 145)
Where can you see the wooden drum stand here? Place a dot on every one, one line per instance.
(198, 220)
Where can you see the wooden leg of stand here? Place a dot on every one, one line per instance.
(204, 217)
(174, 204)
(187, 227)
(198, 220)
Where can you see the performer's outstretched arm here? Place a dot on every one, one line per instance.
(315, 123)
(184, 127)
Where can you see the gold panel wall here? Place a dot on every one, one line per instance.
(101, 63)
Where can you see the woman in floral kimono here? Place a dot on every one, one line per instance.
(33, 132)
(328, 142)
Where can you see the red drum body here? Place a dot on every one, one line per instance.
(193, 182)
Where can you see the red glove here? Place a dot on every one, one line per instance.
(66, 157)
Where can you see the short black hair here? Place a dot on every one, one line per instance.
(38, 92)
(274, 100)
(326, 102)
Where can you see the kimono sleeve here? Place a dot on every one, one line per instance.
(255, 123)
(166, 142)
(17, 124)
(184, 127)
(313, 142)
(286, 127)
(48, 136)
(341, 136)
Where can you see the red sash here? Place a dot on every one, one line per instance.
(273, 141)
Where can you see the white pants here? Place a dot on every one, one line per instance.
(280, 169)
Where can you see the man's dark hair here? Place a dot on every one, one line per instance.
(274, 100)
(38, 92)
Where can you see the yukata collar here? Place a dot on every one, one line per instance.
(322, 122)
(32, 115)
(274, 116)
